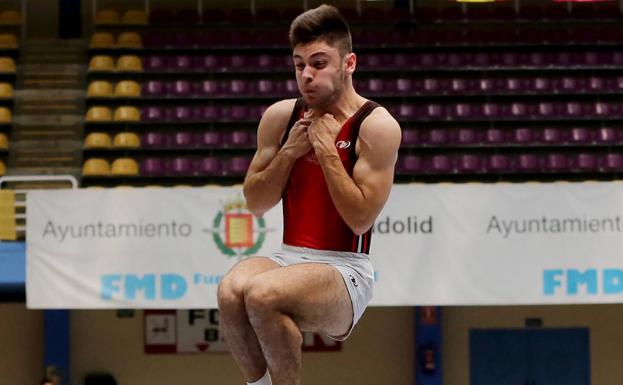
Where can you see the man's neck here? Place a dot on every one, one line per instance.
(345, 106)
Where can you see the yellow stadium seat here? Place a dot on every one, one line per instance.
(6, 91)
(99, 114)
(97, 140)
(100, 89)
(124, 166)
(107, 16)
(134, 16)
(5, 115)
(127, 114)
(11, 17)
(102, 40)
(8, 40)
(129, 40)
(7, 65)
(127, 140)
(129, 63)
(101, 63)
(4, 141)
(2, 168)
(96, 167)
(127, 89)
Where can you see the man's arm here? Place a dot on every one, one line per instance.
(360, 199)
(270, 168)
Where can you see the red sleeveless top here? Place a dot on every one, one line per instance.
(310, 218)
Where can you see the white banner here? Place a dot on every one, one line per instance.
(432, 245)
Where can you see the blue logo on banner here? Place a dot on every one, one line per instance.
(589, 281)
(148, 286)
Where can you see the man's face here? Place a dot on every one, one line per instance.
(320, 72)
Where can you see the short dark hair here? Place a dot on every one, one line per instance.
(323, 23)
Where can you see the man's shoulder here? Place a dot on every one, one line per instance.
(380, 122)
(279, 111)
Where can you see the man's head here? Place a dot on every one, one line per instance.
(322, 52)
(324, 23)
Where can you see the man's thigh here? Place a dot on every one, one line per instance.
(240, 273)
(313, 294)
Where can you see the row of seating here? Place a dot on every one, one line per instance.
(508, 163)
(375, 38)
(171, 140)
(520, 136)
(168, 166)
(367, 61)
(7, 65)
(179, 114)
(553, 11)
(504, 111)
(4, 141)
(459, 86)
(189, 89)
(368, 14)
(8, 41)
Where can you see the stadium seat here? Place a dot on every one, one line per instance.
(211, 139)
(129, 63)
(5, 115)
(181, 88)
(498, 163)
(152, 114)
(7, 65)
(238, 139)
(97, 140)
(410, 165)
(182, 165)
(154, 63)
(127, 89)
(100, 89)
(4, 141)
(467, 137)
(237, 166)
(154, 140)
(495, 136)
(556, 162)
(101, 63)
(527, 163)
(96, 167)
(552, 135)
(6, 90)
(613, 162)
(126, 140)
(584, 162)
(102, 40)
(580, 135)
(129, 40)
(124, 166)
(107, 16)
(134, 17)
(179, 114)
(153, 88)
(209, 166)
(2, 168)
(127, 114)
(469, 163)
(410, 137)
(8, 40)
(523, 135)
(440, 164)
(10, 17)
(99, 114)
(183, 139)
(606, 135)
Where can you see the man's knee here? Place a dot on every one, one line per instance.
(230, 292)
(261, 297)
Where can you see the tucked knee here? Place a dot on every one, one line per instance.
(230, 292)
(260, 297)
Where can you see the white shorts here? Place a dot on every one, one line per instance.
(355, 268)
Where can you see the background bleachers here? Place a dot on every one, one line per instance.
(10, 26)
(483, 93)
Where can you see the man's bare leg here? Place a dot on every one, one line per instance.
(280, 303)
(234, 320)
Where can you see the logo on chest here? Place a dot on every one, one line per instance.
(340, 145)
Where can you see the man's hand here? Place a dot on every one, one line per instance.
(322, 134)
(298, 143)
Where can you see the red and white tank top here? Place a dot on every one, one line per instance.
(309, 215)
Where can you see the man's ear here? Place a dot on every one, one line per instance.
(350, 63)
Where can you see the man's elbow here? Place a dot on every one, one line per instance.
(360, 227)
